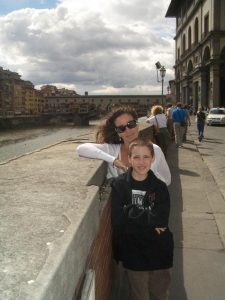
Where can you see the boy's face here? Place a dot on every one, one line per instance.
(140, 160)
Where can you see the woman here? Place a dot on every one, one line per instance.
(158, 119)
(113, 139)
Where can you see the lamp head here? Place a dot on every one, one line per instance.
(162, 72)
(158, 65)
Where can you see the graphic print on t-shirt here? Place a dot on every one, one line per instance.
(138, 199)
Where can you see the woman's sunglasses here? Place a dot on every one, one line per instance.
(131, 124)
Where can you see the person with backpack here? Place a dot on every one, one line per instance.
(200, 117)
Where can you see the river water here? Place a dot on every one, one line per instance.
(17, 142)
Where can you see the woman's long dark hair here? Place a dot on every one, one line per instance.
(106, 132)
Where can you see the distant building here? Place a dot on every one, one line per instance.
(33, 99)
(18, 96)
(51, 90)
(8, 81)
(200, 51)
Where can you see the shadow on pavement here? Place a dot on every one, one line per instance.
(177, 290)
(213, 141)
(189, 173)
(209, 139)
(193, 150)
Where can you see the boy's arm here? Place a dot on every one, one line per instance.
(162, 208)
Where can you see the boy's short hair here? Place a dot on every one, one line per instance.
(141, 142)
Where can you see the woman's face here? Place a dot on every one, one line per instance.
(130, 133)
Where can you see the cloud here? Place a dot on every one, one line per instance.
(108, 46)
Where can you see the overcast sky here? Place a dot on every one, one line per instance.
(99, 46)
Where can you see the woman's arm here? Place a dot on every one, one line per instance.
(160, 166)
(106, 152)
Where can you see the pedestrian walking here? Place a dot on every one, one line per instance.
(179, 116)
(188, 123)
(142, 240)
(158, 119)
(201, 117)
(169, 111)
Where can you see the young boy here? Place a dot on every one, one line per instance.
(141, 237)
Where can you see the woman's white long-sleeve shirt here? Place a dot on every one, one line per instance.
(110, 152)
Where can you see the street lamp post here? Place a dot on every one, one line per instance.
(162, 72)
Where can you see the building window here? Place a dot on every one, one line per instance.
(196, 30)
(179, 18)
(184, 43)
(206, 24)
(178, 53)
(189, 38)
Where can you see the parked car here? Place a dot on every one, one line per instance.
(216, 116)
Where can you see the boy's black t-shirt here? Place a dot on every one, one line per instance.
(139, 189)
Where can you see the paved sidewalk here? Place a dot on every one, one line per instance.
(198, 222)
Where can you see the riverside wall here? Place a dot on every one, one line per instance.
(26, 121)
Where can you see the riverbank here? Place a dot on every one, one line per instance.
(23, 120)
(17, 142)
